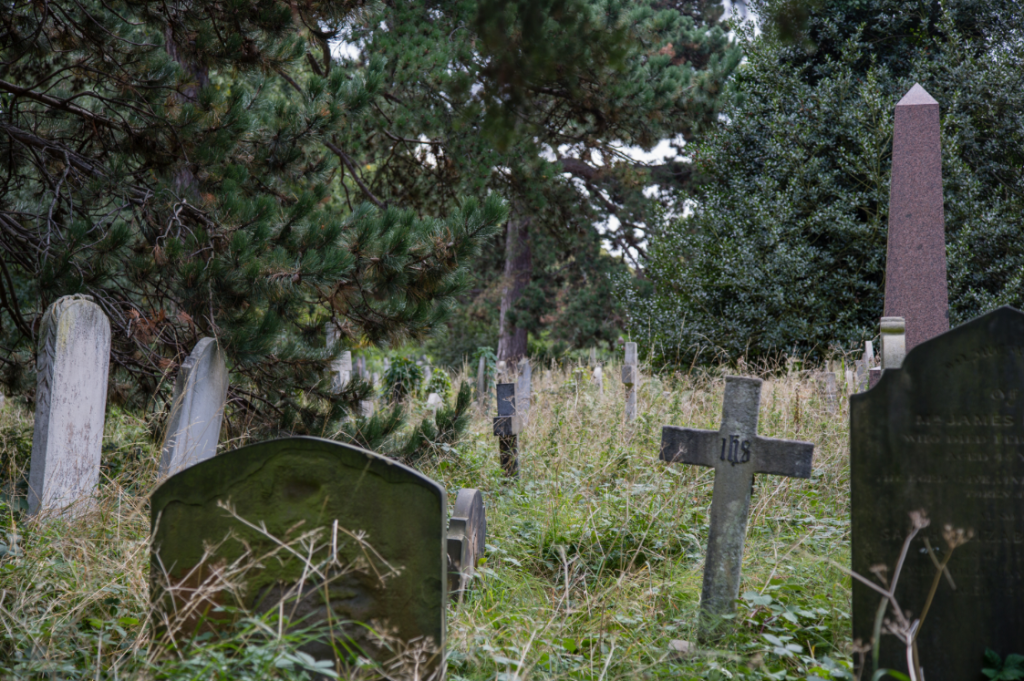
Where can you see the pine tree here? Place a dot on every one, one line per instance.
(177, 162)
(533, 100)
(785, 249)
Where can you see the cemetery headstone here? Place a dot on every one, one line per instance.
(829, 390)
(507, 426)
(524, 391)
(309, 483)
(434, 402)
(341, 368)
(72, 364)
(467, 535)
(863, 366)
(200, 390)
(944, 433)
(631, 379)
(894, 346)
(593, 357)
(599, 378)
(737, 453)
(915, 269)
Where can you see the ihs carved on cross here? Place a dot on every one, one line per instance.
(736, 452)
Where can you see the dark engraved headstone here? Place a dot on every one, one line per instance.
(467, 535)
(915, 268)
(507, 425)
(945, 433)
(736, 452)
(310, 483)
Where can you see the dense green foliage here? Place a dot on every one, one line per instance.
(535, 101)
(175, 162)
(784, 251)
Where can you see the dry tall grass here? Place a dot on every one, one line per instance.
(594, 560)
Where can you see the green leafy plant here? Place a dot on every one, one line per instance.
(1003, 670)
(402, 378)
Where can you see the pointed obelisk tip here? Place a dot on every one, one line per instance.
(917, 96)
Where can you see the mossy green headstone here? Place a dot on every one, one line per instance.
(945, 433)
(284, 482)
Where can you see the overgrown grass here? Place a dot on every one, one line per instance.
(594, 561)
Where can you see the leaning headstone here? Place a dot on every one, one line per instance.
(736, 452)
(524, 391)
(467, 535)
(915, 268)
(200, 390)
(507, 425)
(71, 397)
(944, 433)
(631, 379)
(296, 485)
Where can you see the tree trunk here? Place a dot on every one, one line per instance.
(518, 270)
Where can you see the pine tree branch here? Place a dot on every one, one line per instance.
(64, 105)
(355, 175)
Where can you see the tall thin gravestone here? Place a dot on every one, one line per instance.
(506, 428)
(197, 409)
(71, 397)
(297, 485)
(481, 382)
(736, 452)
(915, 268)
(524, 391)
(631, 379)
(944, 433)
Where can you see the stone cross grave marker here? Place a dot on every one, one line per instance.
(507, 425)
(467, 536)
(200, 390)
(631, 379)
(915, 268)
(308, 483)
(945, 433)
(71, 398)
(736, 452)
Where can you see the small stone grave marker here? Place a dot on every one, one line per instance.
(467, 535)
(197, 408)
(736, 452)
(944, 432)
(631, 379)
(72, 364)
(507, 426)
(309, 483)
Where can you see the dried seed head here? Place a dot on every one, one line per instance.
(956, 536)
(919, 520)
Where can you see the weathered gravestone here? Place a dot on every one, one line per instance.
(300, 484)
(736, 452)
(467, 535)
(481, 381)
(631, 379)
(71, 397)
(197, 409)
(945, 433)
(598, 378)
(524, 391)
(507, 426)
(341, 367)
(915, 267)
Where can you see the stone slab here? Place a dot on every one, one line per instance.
(313, 482)
(945, 433)
(72, 365)
(197, 408)
(915, 270)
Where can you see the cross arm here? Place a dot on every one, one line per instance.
(688, 445)
(791, 458)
